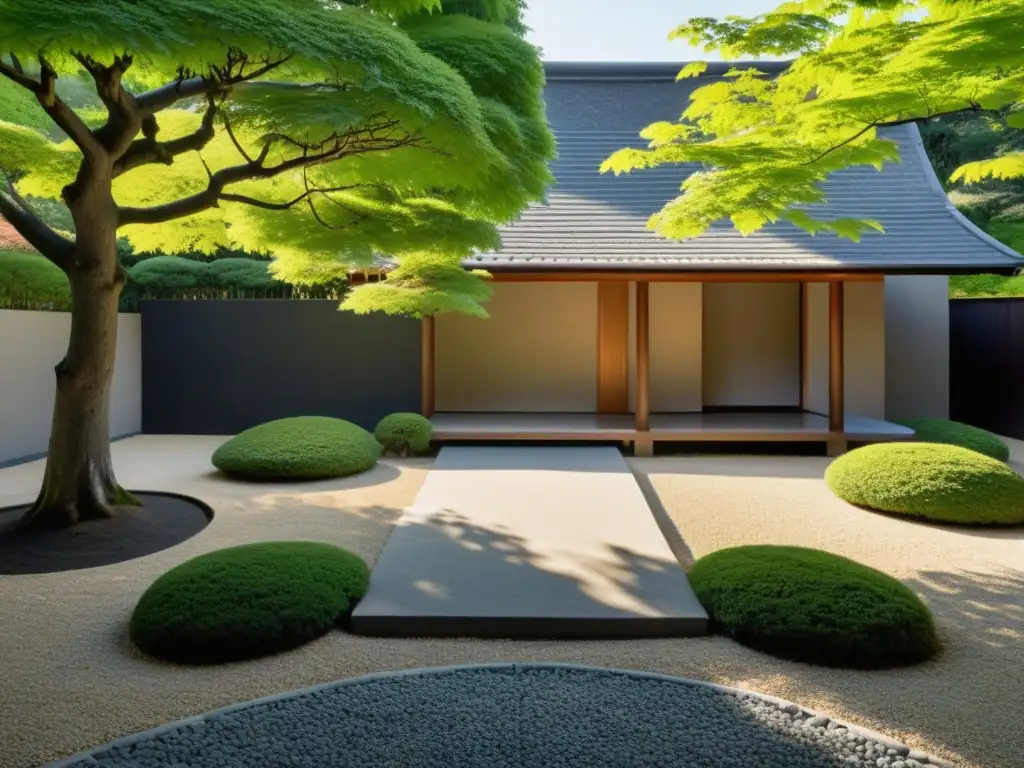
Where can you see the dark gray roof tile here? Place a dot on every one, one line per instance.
(599, 221)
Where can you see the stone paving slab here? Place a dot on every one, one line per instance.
(529, 542)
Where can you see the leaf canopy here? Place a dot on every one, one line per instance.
(394, 127)
(765, 144)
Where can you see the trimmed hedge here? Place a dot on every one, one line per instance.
(247, 601)
(29, 280)
(813, 606)
(404, 434)
(956, 433)
(167, 276)
(944, 483)
(299, 448)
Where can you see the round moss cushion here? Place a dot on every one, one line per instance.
(247, 601)
(301, 448)
(404, 433)
(938, 482)
(813, 606)
(956, 433)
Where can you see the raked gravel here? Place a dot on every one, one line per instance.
(509, 716)
(70, 680)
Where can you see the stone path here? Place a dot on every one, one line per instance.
(509, 716)
(529, 541)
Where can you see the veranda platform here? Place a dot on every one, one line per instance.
(529, 542)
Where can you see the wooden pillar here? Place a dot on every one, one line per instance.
(804, 351)
(644, 445)
(613, 347)
(836, 406)
(427, 367)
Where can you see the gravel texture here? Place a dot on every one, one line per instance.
(509, 716)
(70, 679)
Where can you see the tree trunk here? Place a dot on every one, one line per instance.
(79, 481)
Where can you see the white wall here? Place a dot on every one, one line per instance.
(816, 365)
(536, 352)
(917, 346)
(864, 349)
(31, 344)
(751, 344)
(676, 346)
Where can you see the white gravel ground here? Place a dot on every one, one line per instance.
(69, 679)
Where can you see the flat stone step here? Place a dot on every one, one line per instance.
(529, 542)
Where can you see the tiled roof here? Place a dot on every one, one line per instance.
(595, 221)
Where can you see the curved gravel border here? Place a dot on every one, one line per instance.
(506, 716)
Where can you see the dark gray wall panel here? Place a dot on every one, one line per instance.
(986, 356)
(218, 367)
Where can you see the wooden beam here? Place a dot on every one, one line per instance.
(804, 350)
(427, 357)
(613, 348)
(592, 276)
(836, 406)
(643, 357)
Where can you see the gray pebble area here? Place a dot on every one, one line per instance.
(509, 716)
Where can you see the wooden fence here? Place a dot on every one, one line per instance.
(986, 348)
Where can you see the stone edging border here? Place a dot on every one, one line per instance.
(88, 756)
(202, 505)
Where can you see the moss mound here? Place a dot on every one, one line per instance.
(938, 482)
(404, 434)
(812, 606)
(964, 435)
(247, 601)
(300, 448)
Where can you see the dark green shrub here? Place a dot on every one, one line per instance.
(964, 435)
(300, 448)
(404, 434)
(29, 280)
(945, 483)
(247, 601)
(813, 606)
(243, 278)
(167, 277)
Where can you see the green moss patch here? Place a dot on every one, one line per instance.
(813, 606)
(300, 448)
(945, 483)
(956, 433)
(247, 601)
(404, 434)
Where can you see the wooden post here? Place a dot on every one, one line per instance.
(836, 406)
(803, 345)
(644, 446)
(427, 366)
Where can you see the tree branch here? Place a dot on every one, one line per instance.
(44, 90)
(54, 247)
(234, 140)
(148, 150)
(160, 98)
(973, 109)
(214, 191)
